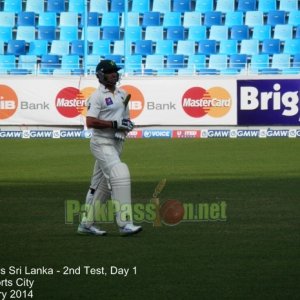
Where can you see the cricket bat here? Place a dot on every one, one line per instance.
(126, 101)
(155, 200)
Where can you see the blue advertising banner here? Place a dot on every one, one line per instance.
(268, 102)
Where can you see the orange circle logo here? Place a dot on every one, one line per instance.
(198, 102)
(137, 101)
(8, 102)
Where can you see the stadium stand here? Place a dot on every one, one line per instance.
(152, 31)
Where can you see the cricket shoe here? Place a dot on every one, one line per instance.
(92, 230)
(129, 229)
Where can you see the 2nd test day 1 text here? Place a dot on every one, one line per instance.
(66, 270)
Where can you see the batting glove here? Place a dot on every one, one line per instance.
(123, 124)
(120, 135)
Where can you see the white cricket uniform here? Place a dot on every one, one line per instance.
(108, 106)
(109, 172)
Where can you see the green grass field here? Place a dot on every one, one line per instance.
(254, 254)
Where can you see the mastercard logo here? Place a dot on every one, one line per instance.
(71, 102)
(137, 101)
(8, 102)
(198, 102)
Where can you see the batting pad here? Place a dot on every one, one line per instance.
(121, 193)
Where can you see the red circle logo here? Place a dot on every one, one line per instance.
(70, 102)
(198, 102)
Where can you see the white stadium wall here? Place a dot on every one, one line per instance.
(191, 106)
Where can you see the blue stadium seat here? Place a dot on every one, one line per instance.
(182, 5)
(151, 18)
(204, 6)
(133, 19)
(101, 47)
(36, 6)
(47, 19)
(92, 61)
(7, 63)
(281, 62)
(111, 33)
(77, 47)
(26, 33)
(225, 5)
(28, 62)
(110, 19)
(175, 61)
(68, 33)
(186, 47)
(117, 58)
(271, 46)
(246, 5)
(2, 44)
(283, 32)
(261, 32)
(212, 18)
(133, 33)
(207, 47)
(171, 19)
(291, 46)
(46, 33)
(93, 19)
(197, 33)
(234, 18)
(154, 62)
(143, 47)
(76, 6)
(93, 33)
(68, 19)
(164, 47)
(6, 33)
(239, 32)
(161, 6)
(49, 63)
(134, 64)
(228, 47)
(117, 6)
(192, 18)
(26, 18)
(16, 47)
(56, 6)
(119, 48)
(288, 5)
(218, 32)
(218, 61)
(253, 18)
(196, 61)
(70, 62)
(294, 18)
(59, 47)
(12, 6)
(140, 6)
(267, 5)
(98, 6)
(259, 62)
(154, 33)
(7, 19)
(296, 63)
(175, 33)
(249, 47)
(276, 17)
(237, 62)
(38, 47)
(297, 34)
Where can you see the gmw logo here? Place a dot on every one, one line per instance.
(198, 102)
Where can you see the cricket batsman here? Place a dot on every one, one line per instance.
(108, 116)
